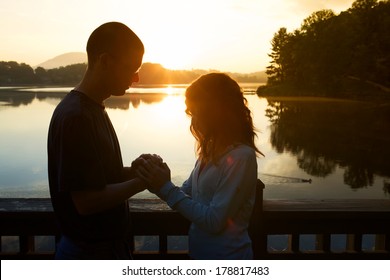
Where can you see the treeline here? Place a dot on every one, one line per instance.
(332, 54)
(151, 73)
(14, 74)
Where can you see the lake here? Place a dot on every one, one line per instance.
(314, 148)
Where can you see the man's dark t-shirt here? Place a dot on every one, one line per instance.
(84, 154)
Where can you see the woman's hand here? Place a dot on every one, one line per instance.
(141, 160)
(156, 173)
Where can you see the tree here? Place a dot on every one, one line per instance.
(313, 21)
(41, 75)
(12, 73)
(364, 4)
(328, 50)
(280, 57)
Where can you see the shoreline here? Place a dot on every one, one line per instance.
(291, 93)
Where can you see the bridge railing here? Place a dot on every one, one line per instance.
(280, 229)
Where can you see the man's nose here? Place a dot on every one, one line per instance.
(136, 78)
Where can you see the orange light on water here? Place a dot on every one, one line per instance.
(174, 90)
(169, 90)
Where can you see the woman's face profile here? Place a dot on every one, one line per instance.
(206, 117)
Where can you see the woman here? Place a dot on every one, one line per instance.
(219, 195)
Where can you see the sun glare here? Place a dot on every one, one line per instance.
(174, 90)
(169, 90)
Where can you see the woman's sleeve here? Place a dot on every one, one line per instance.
(187, 185)
(236, 184)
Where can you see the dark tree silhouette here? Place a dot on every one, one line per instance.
(334, 54)
(280, 57)
(13, 73)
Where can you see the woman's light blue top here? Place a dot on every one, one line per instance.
(219, 202)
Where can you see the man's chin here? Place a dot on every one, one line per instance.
(119, 92)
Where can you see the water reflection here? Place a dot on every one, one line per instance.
(123, 102)
(19, 98)
(338, 142)
(326, 134)
(16, 99)
(386, 187)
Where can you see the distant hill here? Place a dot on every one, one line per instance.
(64, 60)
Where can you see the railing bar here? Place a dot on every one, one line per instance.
(57, 238)
(294, 243)
(163, 244)
(131, 243)
(260, 246)
(26, 244)
(326, 243)
(380, 241)
(319, 242)
(357, 242)
(350, 243)
(387, 242)
(23, 244)
(259, 239)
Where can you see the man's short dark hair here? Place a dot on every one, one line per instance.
(114, 38)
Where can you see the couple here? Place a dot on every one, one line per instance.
(89, 186)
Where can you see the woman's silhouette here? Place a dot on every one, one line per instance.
(219, 195)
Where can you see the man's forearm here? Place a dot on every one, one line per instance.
(128, 173)
(94, 201)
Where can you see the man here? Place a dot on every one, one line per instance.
(89, 186)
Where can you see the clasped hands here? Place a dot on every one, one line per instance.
(152, 170)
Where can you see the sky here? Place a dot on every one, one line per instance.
(225, 35)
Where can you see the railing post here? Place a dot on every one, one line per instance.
(358, 242)
(294, 243)
(256, 226)
(354, 242)
(380, 242)
(163, 244)
(323, 242)
(26, 244)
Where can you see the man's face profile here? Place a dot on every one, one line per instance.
(124, 71)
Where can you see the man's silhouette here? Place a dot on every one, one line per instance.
(89, 186)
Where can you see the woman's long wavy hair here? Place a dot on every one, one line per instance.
(219, 116)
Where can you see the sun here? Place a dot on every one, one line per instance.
(175, 61)
(171, 56)
(169, 90)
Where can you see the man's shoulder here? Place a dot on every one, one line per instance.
(71, 103)
(71, 106)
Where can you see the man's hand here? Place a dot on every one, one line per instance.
(156, 173)
(156, 159)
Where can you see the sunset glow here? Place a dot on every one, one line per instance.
(229, 35)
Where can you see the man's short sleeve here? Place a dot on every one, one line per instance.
(79, 166)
